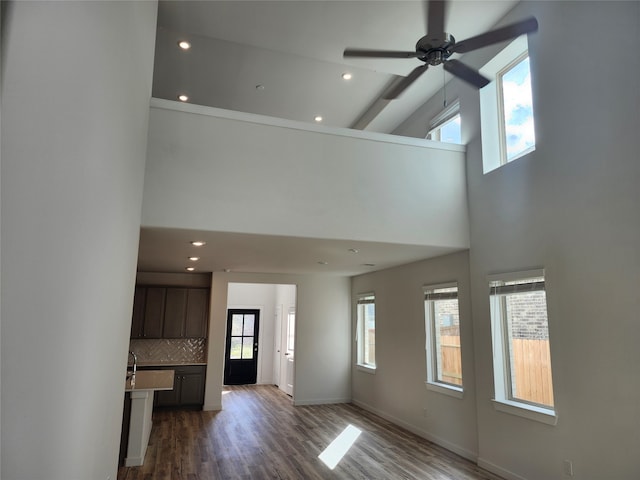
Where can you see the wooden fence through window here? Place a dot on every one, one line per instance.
(531, 367)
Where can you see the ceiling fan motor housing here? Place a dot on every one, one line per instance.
(435, 48)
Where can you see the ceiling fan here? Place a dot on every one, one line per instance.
(437, 46)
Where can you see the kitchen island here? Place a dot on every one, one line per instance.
(141, 388)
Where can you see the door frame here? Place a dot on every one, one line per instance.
(256, 340)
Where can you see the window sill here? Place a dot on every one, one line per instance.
(531, 412)
(366, 369)
(445, 389)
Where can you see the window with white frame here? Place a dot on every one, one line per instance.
(442, 326)
(520, 333)
(366, 330)
(446, 126)
(506, 107)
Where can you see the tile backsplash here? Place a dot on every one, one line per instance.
(170, 350)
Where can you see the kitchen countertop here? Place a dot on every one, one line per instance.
(150, 380)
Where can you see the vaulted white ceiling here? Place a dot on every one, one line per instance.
(293, 50)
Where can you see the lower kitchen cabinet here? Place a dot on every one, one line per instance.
(188, 387)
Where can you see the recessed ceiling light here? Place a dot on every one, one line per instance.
(198, 243)
(346, 76)
(353, 250)
(368, 264)
(323, 263)
(194, 259)
(259, 87)
(318, 118)
(183, 98)
(190, 269)
(184, 45)
(227, 270)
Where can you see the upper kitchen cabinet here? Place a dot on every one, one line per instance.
(197, 312)
(175, 310)
(170, 312)
(154, 310)
(137, 321)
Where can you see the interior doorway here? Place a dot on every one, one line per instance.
(274, 340)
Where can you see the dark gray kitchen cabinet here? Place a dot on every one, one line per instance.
(137, 321)
(197, 313)
(188, 387)
(154, 312)
(170, 312)
(174, 313)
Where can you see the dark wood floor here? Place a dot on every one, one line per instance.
(260, 435)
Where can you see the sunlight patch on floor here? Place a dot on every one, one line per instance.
(337, 449)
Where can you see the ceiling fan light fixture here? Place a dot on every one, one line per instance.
(184, 45)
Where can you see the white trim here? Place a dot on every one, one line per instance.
(366, 369)
(445, 115)
(520, 275)
(430, 287)
(296, 125)
(321, 401)
(445, 389)
(525, 410)
(213, 407)
(493, 468)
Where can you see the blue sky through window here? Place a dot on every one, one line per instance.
(518, 109)
(451, 132)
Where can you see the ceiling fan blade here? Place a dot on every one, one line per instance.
(402, 85)
(435, 16)
(354, 52)
(465, 73)
(495, 36)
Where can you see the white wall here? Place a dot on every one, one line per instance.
(322, 372)
(267, 298)
(75, 94)
(397, 391)
(202, 169)
(261, 297)
(570, 207)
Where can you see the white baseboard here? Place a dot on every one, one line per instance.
(212, 407)
(321, 401)
(493, 468)
(463, 452)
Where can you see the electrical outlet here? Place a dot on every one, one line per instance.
(567, 468)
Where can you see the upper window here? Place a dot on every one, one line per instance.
(366, 331)
(506, 107)
(446, 126)
(522, 359)
(442, 325)
(516, 113)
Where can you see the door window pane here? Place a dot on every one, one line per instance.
(236, 325)
(248, 326)
(236, 348)
(247, 347)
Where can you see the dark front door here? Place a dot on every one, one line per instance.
(241, 357)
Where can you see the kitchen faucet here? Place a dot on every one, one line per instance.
(135, 362)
